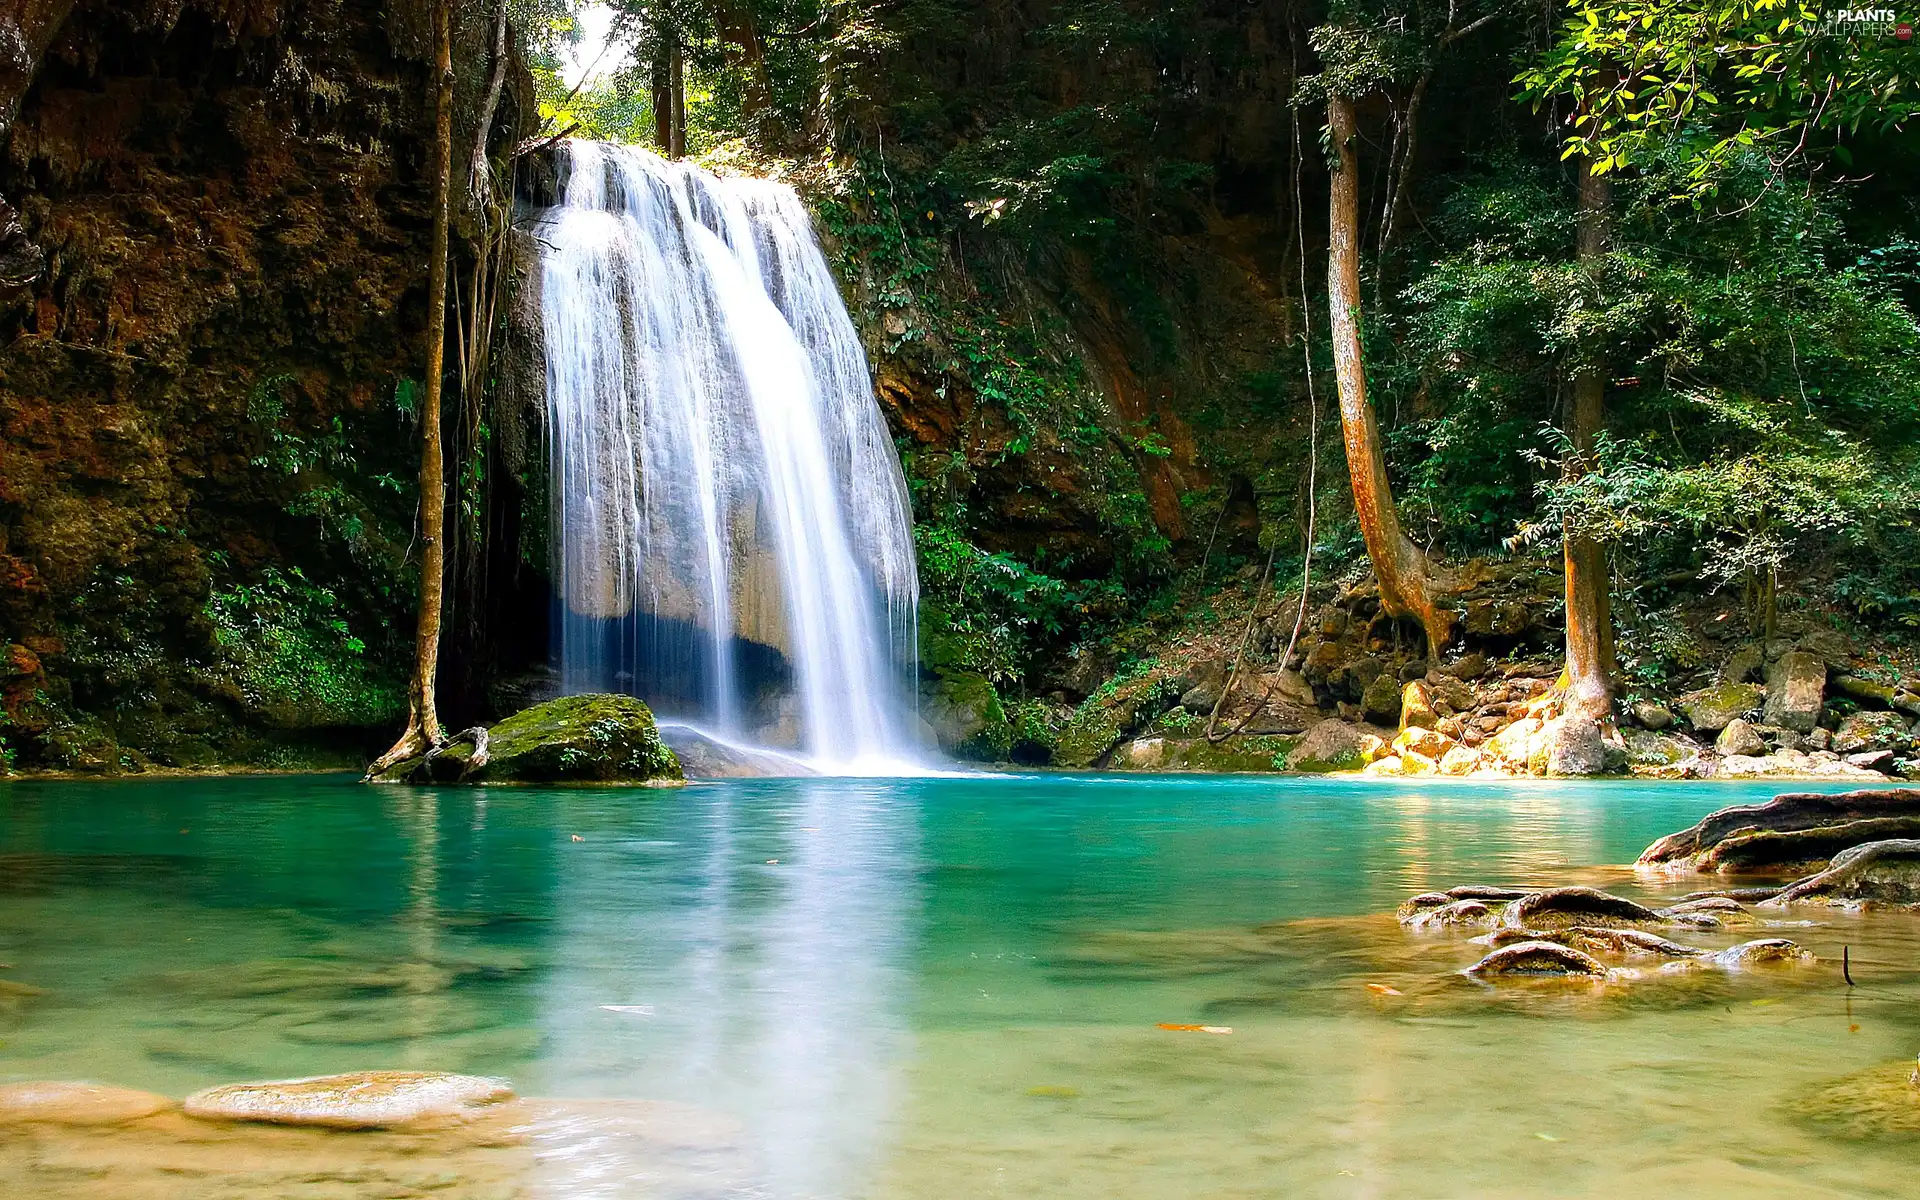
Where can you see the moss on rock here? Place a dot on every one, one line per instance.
(596, 738)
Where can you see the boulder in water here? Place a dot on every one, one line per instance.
(1458, 913)
(59, 1103)
(1790, 811)
(361, 1100)
(704, 756)
(1761, 951)
(1885, 872)
(597, 738)
(1779, 850)
(1560, 907)
(1539, 958)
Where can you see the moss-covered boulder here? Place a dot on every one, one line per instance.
(596, 738)
(1714, 708)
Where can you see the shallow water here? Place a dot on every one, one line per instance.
(942, 987)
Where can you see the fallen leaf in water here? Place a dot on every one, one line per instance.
(1384, 990)
(1766, 1000)
(773, 862)
(1546, 1137)
(1197, 1028)
(578, 838)
(1853, 1029)
(638, 1010)
(1055, 1090)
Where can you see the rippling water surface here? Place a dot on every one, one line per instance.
(940, 987)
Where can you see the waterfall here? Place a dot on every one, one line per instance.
(731, 530)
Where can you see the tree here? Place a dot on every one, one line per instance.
(1588, 679)
(423, 721)
(1722, 76)
(1409, 583)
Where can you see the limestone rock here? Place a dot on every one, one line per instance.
(1416, 707)
(1559, 907)
(1649, 749)
(1511, 745)
(1570, 746)
(1743, 664)
(1412, 763)
(1652, 714)
(1883, 872)
(1712, 709)
(596, 738)
(961, 708)
(1872, 731)
(1763, 950)
(1786, 812)
(1458, 913)
(1424, 902)
(1739, 738)
(1381, 700)
(1460, 760)
(1430, 742)
(703, 756)
(1626, 943)
(1539, 958)
(58, 1103)
(1335, 745)
(1796, 688)
(593, 738)
(362, 1100)
(1470, 666)
(1390, 765)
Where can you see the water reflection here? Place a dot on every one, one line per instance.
(758, 963)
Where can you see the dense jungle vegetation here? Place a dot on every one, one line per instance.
(1628, 284)
(1023, 195)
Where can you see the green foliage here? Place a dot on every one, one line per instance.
(1719, 78)
(285, 643)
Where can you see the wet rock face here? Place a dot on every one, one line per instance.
(363, 1100)
(1335, 745)
(200, 385)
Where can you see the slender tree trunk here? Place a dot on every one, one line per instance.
(679, 141)
(1409, 583)
(479, 169)
(1588, 680)
(423, 721)
(662, 79)
(738, 27)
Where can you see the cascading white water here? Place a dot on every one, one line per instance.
(722, 478)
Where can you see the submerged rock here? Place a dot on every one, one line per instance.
(362, 1100)
(1539, 958)
(59, 1103)
(1877, 1102)
(1762, 950)
(703, 756)
(1791, 811)
(1558, 907)
(1626, 942)
(596, 738)
(1457, 913)
(1885, 872)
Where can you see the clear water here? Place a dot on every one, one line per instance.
(723, 481)
(952, 987)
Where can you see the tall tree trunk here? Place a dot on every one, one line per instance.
(661, 77)
(1588, 681)
(423, 721)
(1409, 583)
(678, 148)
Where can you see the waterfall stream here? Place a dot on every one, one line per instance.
(732, 540)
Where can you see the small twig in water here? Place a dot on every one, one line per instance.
(1846, 964)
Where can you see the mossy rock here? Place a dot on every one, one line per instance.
(593, 739)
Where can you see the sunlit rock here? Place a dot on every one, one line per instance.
(361, 1100)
